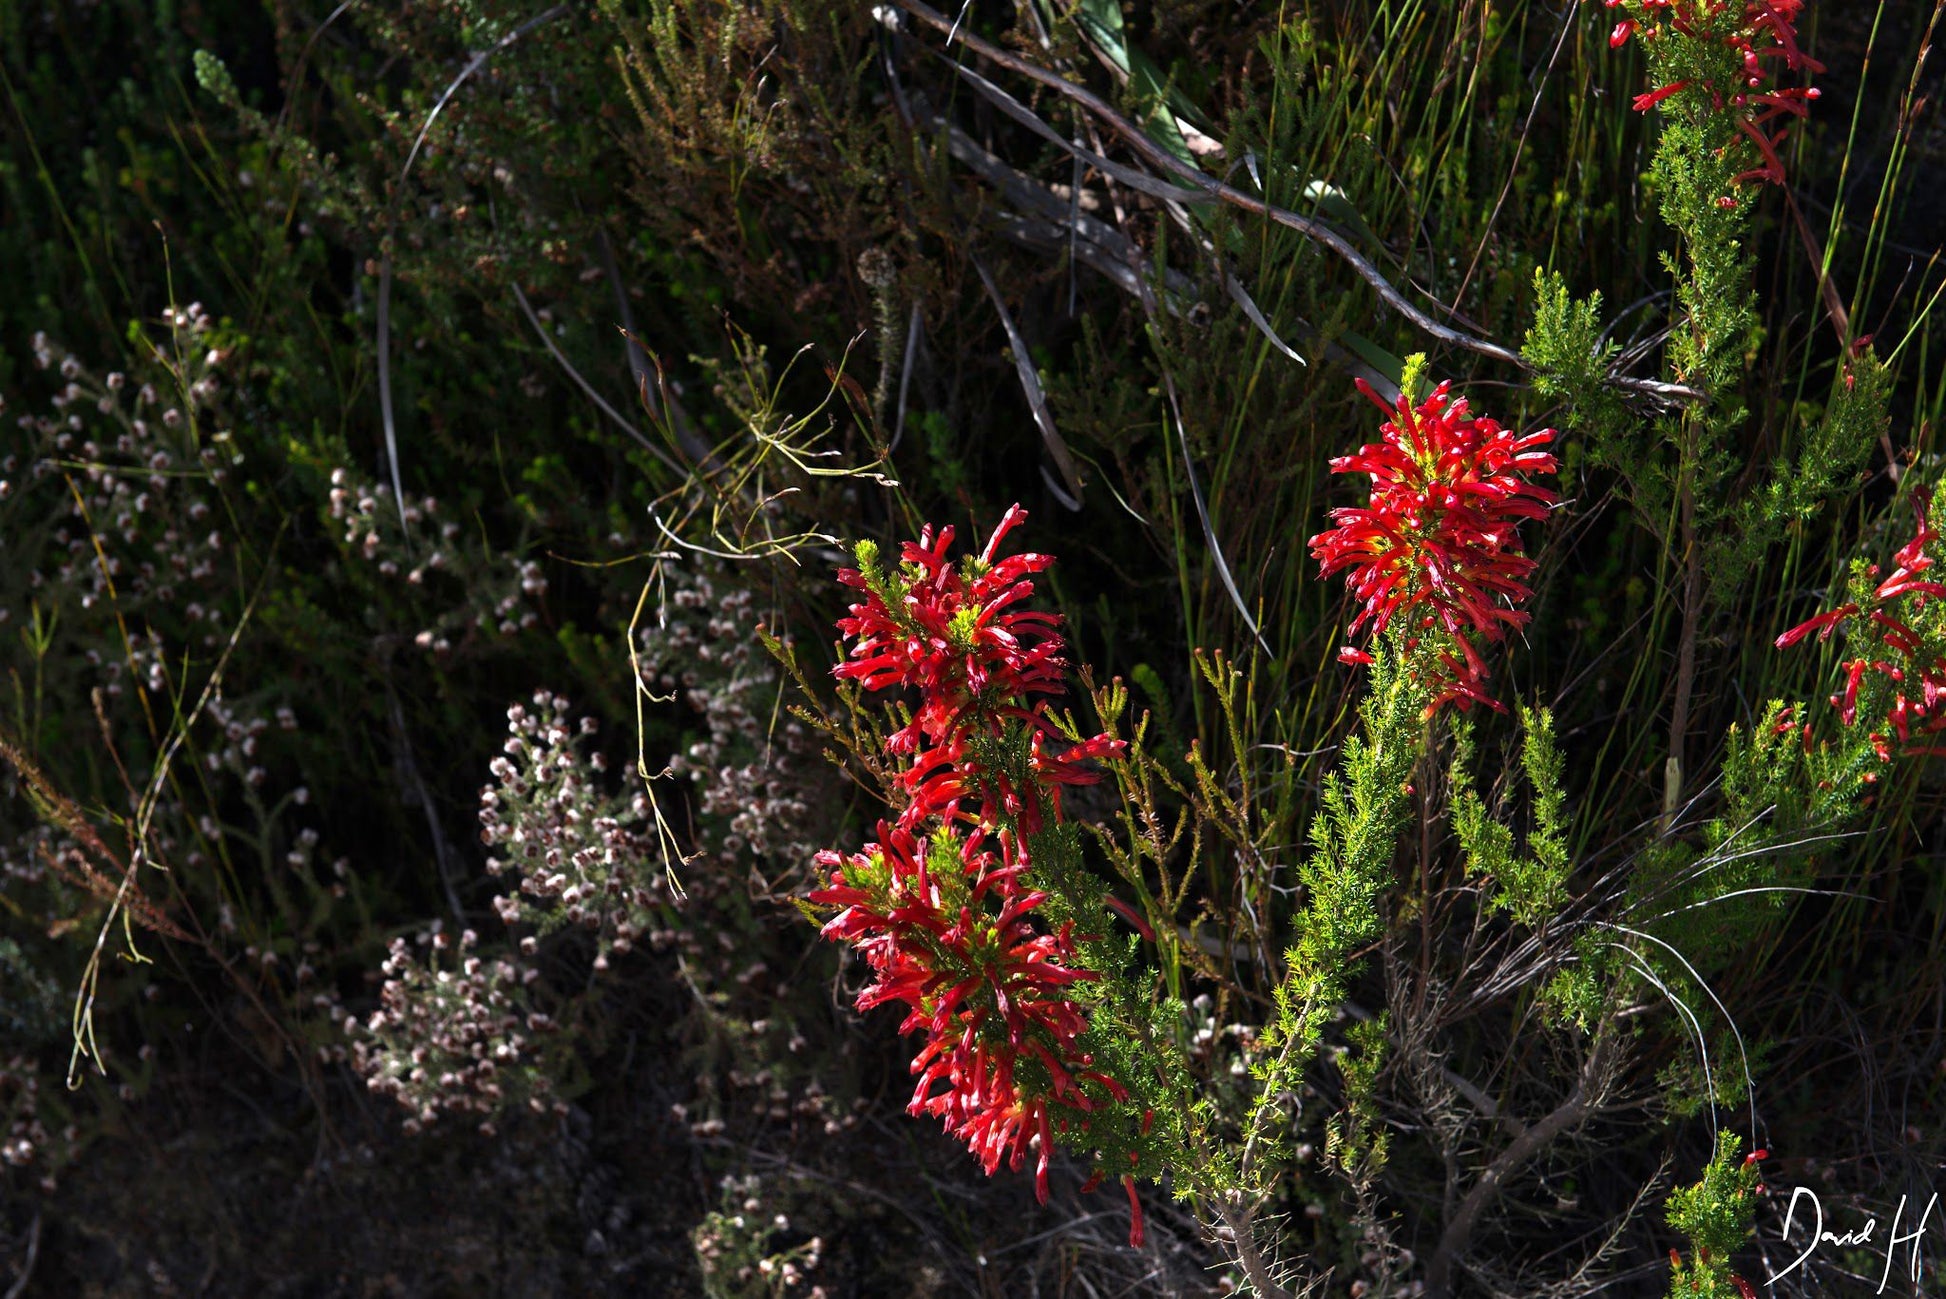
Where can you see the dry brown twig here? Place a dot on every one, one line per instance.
(77, 868)
(1196, 186)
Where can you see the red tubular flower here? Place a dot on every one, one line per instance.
(1824, 624)
(1130, 914)
(1896, 634)
(1888, 614)
(1643, 103)
(1051, 771)
(1439, 541)
(1002, 1048)
(985, 981)
(1773, 168)
(1912, 560)
(1135, 1232)
(1764, 34)
(1776, 21)
(1847, 702)
(957, 636)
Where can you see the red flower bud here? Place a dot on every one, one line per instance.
(1643, 103)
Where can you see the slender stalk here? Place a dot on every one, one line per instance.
(1692, 616)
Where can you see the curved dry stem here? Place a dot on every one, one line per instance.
(1194, 185)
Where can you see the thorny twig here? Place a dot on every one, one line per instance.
(1238, 1219)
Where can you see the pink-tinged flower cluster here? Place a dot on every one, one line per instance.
(1438, 545)
(1881, 614)
(942, 907)
(1763, 33)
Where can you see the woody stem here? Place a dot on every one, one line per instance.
(1237, 1216)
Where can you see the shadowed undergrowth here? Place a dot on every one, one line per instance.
(431, 434)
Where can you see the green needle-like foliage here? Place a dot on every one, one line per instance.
(1714, 1215)
(1353, 839)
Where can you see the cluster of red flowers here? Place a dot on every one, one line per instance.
(986, 989)
(947, 922)
(1886, 610)
(1764, 34)
(1439, 544)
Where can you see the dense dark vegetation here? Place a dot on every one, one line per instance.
(372, 370)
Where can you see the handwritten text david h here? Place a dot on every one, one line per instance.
(1804, 1221)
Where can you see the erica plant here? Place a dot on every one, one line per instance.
(1725, 81)
(954, 909)
(1897, 670)
(1722, 58)
(1438, 545)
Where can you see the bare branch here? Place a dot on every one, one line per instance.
(1195, 186)
(1588, 1090)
